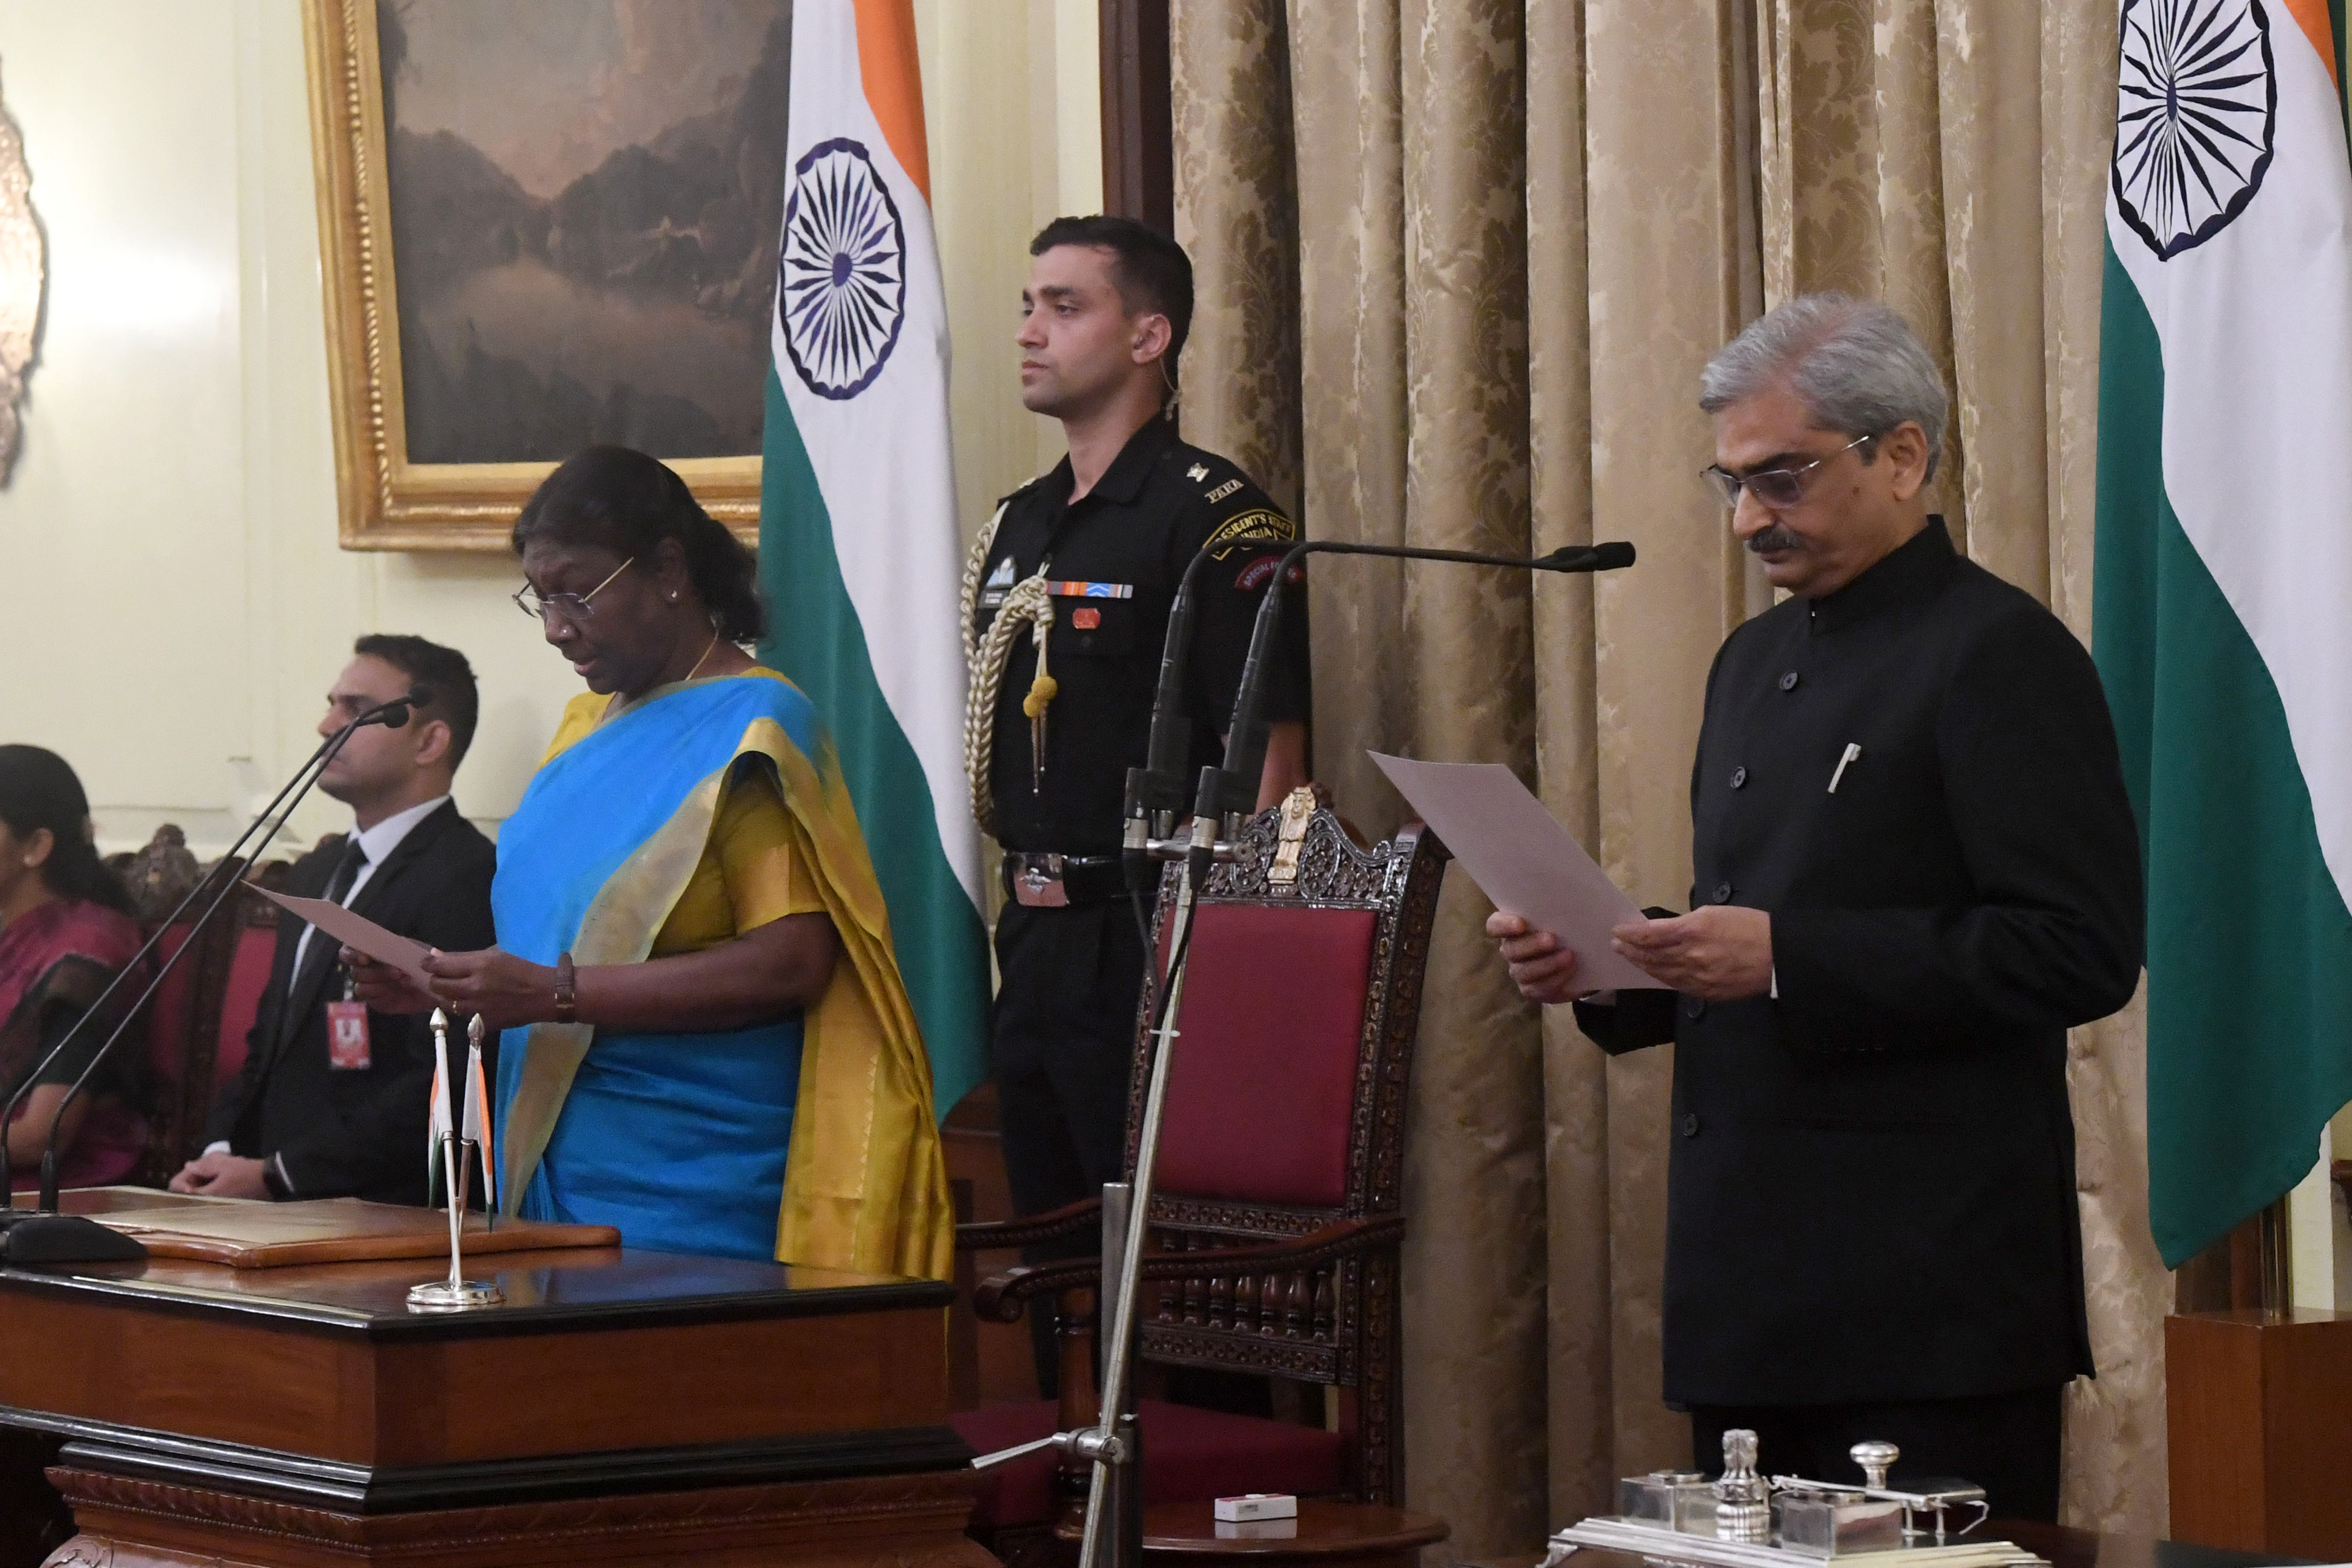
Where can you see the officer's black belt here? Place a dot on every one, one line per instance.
(1051, 881)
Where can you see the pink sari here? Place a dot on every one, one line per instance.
(62, 954)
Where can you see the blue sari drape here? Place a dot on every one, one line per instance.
(679, 1140)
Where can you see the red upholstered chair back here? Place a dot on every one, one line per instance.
(1262, 1090)
(197, 1022)
(1286, 1109)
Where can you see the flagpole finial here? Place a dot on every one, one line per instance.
(440, 1019)
(474, 1029)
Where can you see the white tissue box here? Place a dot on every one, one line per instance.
(1252, 1506)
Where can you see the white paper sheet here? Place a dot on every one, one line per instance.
(363, 935)
(1523, 860)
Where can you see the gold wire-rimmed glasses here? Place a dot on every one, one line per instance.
(573, 607)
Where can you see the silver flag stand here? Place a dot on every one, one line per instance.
(1114, 1526)
(456, 1293)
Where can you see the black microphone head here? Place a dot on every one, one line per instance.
(1613, 556)
(395, 714)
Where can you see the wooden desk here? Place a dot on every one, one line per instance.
(622, 1406)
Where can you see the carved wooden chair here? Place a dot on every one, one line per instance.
(1277, 1212)
(198, 1020)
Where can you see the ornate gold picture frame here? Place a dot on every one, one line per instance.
(524, 268)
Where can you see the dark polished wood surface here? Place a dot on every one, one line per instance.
(621, 1404)
(610, 1349)
(1330, 1534)
(2089, 1549)
(545, 1291)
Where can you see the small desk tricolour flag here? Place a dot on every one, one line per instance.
(475, 1127)
(860, 556)
(2222, 582)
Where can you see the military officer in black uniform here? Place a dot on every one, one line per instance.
(1099, 543)
(1915, 867)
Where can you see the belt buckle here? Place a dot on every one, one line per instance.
(1038, 884)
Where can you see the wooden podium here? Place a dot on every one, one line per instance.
(621, 1408)
(2259, 1423)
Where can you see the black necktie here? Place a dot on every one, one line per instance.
(322, 948)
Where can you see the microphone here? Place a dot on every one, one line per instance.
(1155, 792)
(1229, 793)
(47, 1236)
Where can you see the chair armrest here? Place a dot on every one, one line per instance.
(992, 1235)
(1001, 1296)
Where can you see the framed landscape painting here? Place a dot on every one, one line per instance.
(545, 224)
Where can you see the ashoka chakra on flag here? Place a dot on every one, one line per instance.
(2197, 108)
(840, 290)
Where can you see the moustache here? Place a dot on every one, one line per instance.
(1777, 537)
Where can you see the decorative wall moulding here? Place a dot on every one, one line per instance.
(23, 277)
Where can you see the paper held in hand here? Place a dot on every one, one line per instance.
(362, 934)
(1523, 860)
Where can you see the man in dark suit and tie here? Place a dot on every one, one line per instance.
(332, 1099)
(1915, 867)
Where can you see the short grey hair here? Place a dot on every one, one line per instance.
(1856, 366)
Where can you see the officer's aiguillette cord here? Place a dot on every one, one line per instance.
(1028, 604)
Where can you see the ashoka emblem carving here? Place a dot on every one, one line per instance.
(2196, 111)
(841, 292)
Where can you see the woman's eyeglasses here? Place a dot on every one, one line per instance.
(573, 607)
(1774, 487)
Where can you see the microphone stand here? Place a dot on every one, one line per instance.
(46, 1236)
(1226, 797)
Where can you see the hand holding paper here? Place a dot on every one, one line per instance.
(1523, 860)
(359, 933)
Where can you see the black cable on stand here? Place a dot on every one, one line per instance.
(45, 1235)
(1227, 795)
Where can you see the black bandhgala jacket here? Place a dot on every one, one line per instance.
(1871, 1191)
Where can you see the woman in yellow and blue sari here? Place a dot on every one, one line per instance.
(706, 1040)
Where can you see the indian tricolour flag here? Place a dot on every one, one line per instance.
(859, 554)
(2223, 615)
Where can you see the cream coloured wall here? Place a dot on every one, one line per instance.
(171, 599)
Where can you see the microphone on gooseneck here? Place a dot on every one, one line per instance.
(1155, 792)
(1228, 794)
(47, 1236)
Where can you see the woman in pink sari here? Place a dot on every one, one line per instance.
(65, 931)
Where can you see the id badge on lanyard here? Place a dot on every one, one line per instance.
(347, 1033)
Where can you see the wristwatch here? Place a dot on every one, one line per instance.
(564, 993)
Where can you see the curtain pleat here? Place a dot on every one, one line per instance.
(1460, 263)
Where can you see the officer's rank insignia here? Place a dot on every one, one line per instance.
(1085, 617)
(998, 583)
(1197, 472)
(1258, 527)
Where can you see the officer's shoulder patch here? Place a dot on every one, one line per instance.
(1025, 488)
(1259, 525)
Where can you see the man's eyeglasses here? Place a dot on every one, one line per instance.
(1774, 487)
(573, 607)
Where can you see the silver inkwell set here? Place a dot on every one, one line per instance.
(1743, 1520)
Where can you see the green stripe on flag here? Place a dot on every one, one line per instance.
(2249, 942)
(816, 637)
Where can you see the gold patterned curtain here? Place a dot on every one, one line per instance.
(1459, 263)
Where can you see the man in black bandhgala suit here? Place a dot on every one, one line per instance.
(1913, 867)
